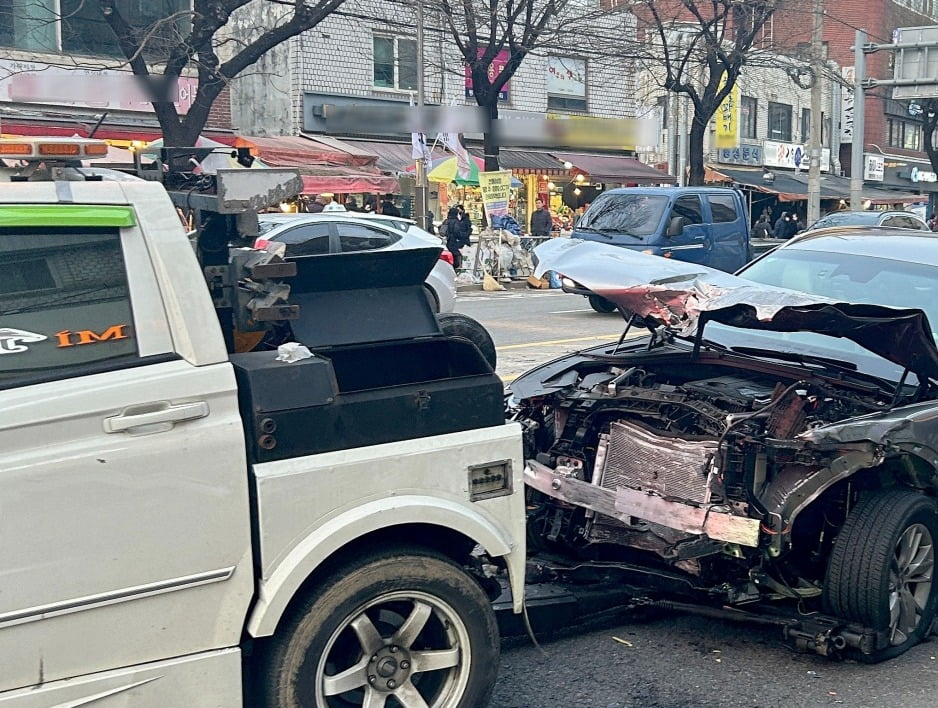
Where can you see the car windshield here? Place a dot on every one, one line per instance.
(846, 218)
(842, 277)
(636, 214)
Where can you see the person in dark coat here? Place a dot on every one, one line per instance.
(452, 232)
(351, 204)
(465, 226)
(781, 225)
(541, 220)
(388, 207)
(371, 204)
(317, 205)
(762, 228)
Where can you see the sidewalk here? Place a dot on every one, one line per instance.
(517, 284)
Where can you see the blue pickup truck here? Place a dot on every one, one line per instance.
(706, 225)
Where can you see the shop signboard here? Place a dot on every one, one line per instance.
(99, 89)
(791, 155)
(566, 77)
(846, 105)
(496, 67)
(496, 192)
(727, 118)
(911, 175)
(874, 168)
(743, 154)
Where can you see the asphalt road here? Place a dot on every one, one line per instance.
(673, 660)
(534, 326)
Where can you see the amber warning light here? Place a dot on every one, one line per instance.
(51, 148)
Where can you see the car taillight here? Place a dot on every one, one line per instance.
(446, 256)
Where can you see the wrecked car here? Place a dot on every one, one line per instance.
(767, 448)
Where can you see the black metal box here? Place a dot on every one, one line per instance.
(382, 371)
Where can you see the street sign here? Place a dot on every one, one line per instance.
(916, 65)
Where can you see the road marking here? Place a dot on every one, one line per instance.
(564, 312)
(552, 342)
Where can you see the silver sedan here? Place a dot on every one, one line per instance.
(342, 232)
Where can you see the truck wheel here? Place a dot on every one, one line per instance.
(455, 324)
(881, 568)
(409, 625)
(601, 304)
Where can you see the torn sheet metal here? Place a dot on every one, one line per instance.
(677, 294)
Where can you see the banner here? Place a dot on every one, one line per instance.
(496, 191)
(499, 61)
(727, 118)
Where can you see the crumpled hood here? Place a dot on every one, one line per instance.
(676, 294)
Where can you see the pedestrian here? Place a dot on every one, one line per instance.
(388, 208)
(933, 222)
(451, 231)
(317, 205)
(371, 204)
(351, 204)
(541, 220)
(465, 226)
(762, 228)
(429, 219)
(781, 225)
(799, 225)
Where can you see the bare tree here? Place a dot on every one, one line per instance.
(483, 29)
(699, 48)
(218, 39)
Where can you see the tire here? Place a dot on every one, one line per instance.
(888, 533)
(601, 304)
(457, 325)
(401, 607)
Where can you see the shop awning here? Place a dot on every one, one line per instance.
(793, 186)
(392, 157)
(525, 161)
(345, 180)
(611, 168)
(303, 151)
(118, 134)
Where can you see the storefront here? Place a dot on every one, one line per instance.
(902, 174)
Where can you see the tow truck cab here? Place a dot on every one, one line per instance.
(186, 525)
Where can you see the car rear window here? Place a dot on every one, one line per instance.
(64, 303)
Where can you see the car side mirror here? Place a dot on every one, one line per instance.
(676, 226)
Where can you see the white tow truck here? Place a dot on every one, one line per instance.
(185, 525)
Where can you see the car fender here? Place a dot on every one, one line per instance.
(277, 590)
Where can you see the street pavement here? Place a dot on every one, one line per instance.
(672, 660)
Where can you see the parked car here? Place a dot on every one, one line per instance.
(343, 232)
(706, 225)
(895, 219)
(769, 451)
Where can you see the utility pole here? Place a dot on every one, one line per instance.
(420, 195)
(859, 121)
(814, 139)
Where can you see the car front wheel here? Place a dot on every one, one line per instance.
(406, 628)
(881, 570)
(601, 304)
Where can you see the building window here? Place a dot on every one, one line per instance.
(902, 134)
(28, 24)
(395, 62)
(805, 125)
(913, 137)
(566, 83)
(84, 30)
(748, 116)
(779, 122)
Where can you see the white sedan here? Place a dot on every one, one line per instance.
(342, 232)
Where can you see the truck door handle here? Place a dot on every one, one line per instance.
(157, 416)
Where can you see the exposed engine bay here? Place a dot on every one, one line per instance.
(728, 476)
